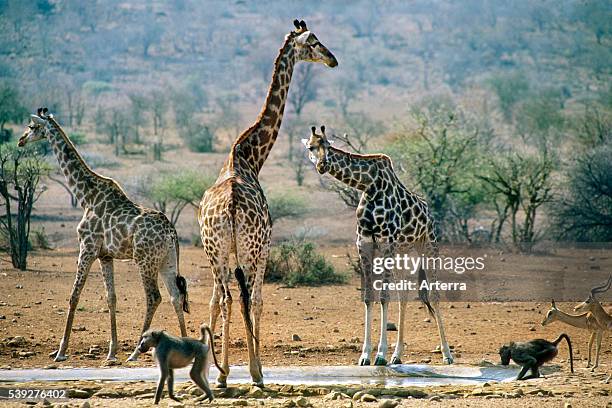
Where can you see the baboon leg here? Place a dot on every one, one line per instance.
(87, 256)
(529, 364)
(591, 340)
(168, 272)
(399, 344)
(197, 375)
(106, 264)
(170, 383)
(148, 273)
(162, 381)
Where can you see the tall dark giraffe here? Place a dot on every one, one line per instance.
(234, 217)
(112, 227)
(389, 217)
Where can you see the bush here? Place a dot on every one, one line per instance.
(584, 213)
(198, 139)
(78, 138)
(285, 205)
(299, 264)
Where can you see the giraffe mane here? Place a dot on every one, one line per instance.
(244, 135)
(58, 128)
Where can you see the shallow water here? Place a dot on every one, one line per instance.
(395, 375)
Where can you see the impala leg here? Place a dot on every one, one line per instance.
(591, 340)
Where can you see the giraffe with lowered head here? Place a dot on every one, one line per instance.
(233, 215)
(112, 227)
(389, 218)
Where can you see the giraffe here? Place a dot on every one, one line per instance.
(233, 214)
(389, 217)
(112, 227)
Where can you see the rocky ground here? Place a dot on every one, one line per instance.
(558, 390)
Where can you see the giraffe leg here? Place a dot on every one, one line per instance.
(380, 359)
(214, 306)
(168, 273)
(148, 273)
(447, 357)
(257, 306)
(255, 299)
(86, 258)
(364, 360)
(109, 283)
(399, 345)
(226, 314)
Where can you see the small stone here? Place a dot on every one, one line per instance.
(256, 392)
(17, 341)
(434, 398)
(355, 340)
(302, 402)
(287, 298)
(288, 404)
(85, 405)
(2, 317)
(77, 393)
(296, 337)
(336, 330)
(240, 403)
(532, 328)
(368, 398)
(79, 328)
(567, 405)
(388, 403)
(391, 326)
(18, 286)
(357, 396)
(427, 320)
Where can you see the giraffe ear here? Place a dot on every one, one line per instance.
(303, 25)
(296, 23)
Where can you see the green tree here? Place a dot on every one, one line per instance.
(171, 193)
(20, 173)
(11, 109)
(510, 89)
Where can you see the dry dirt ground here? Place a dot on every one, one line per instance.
(327, 319)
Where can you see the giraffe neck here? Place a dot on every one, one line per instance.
(82, 180)
(356, 170)
(252, 148)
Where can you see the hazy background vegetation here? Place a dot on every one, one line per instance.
(498, 112)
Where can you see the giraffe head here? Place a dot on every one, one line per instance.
(37, 129)
(318, 148)
(309, 48)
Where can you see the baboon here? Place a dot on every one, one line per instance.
(532, 354)
(177, 352)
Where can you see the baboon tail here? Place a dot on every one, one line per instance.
(569, 346)
(181, 282)
(423, 292)
(245, 297)
(206, 332)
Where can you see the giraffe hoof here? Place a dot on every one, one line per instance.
(59, 358)
(221, 384)
(132, 358)
(380, 361)
(448, 360)
(259, 384)
(396, 360)
(364, 361)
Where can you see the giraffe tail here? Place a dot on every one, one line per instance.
(245, 297)
(424, 293)
(181, 282)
